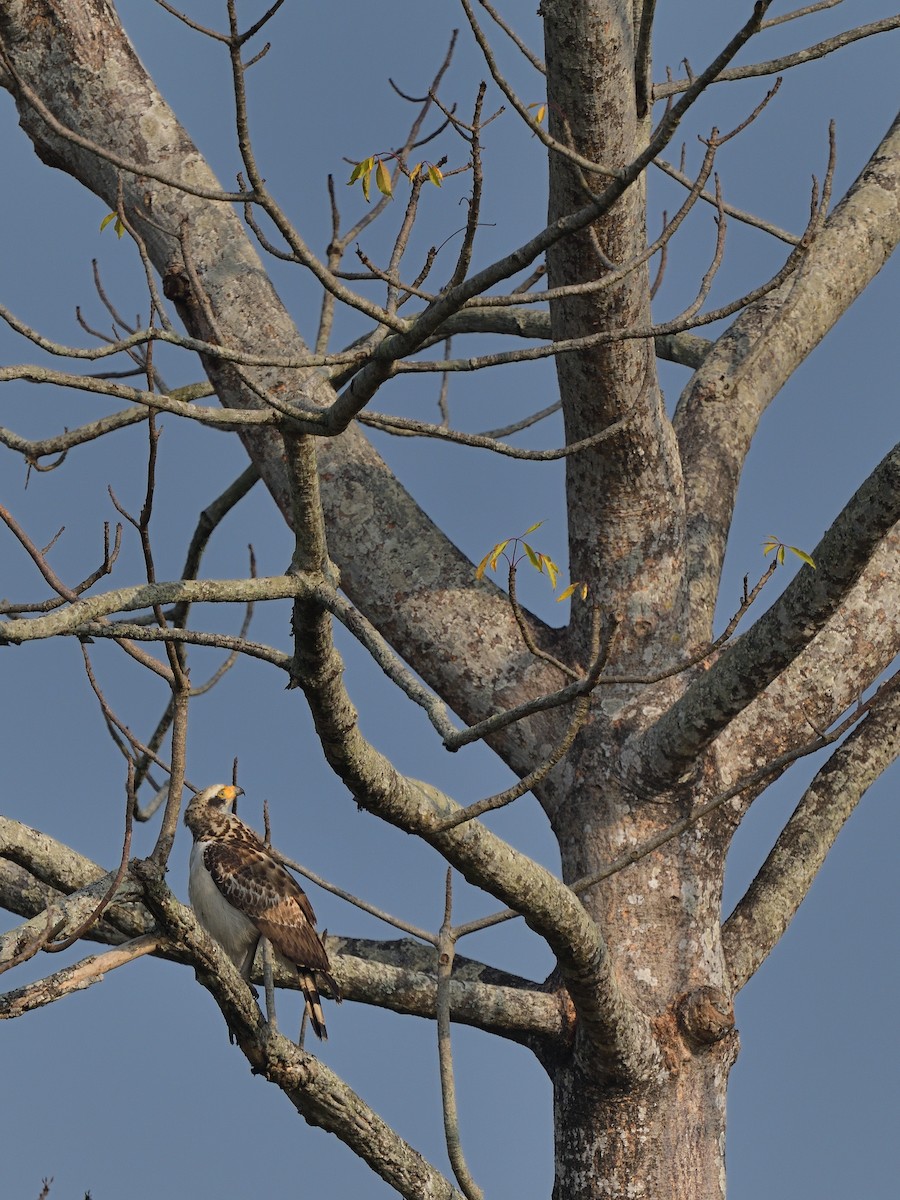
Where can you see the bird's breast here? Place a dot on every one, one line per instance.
(234, 931)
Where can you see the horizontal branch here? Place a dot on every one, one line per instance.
(74, 618)
(37, 871)
(760, 918)
(686, 349)
(670, 749)
(412, 428)
(64, 913)
(226, 420)
(375, 973)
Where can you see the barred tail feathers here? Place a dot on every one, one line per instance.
(313, 1003)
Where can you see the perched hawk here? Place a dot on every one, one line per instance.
(240, 893)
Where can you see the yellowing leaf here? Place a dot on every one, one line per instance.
(801, 554)
(577, 587)
(435, 175)
(363, 171)
(496, 552)
(414, 172)
(532, 528)
(482, 566)
(383, 180)
(534, 559)
(552, 569)
(119, 226)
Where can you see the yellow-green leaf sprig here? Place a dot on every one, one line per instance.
(775, 544)
(119, 226)
(542, 563)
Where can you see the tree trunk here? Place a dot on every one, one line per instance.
(662, 1134)
(666, 1139)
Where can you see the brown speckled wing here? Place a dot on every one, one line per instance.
(255, 884)
(297, 940)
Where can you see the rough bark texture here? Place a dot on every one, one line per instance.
(625, 497)
(636, 1027)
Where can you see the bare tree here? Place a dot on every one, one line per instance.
(644, 735)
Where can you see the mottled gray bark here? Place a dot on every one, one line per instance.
(719, 410)
(635, 1028)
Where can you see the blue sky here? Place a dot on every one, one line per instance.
(131, 1088)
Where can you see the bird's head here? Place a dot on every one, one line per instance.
(220, 797)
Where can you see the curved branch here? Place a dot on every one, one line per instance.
(401, 976)
(718, 413)
(152, 400)
(671, 747)
(686, 349)
(760, 918)
(77, 977)
(612, 1031)
(70, 619)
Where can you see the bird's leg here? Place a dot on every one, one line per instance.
(269, 978)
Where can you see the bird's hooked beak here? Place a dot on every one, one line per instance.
(229, 794)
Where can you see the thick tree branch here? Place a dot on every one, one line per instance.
(670, 748)
(760, 918)
(401, 976)
(77, 977)
(74, 616)
(832, 672)
(611, 1030)
(719, 410)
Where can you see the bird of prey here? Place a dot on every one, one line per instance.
(241, 893)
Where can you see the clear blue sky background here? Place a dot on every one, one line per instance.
(131, 1088)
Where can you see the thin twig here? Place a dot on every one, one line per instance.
(600, 649)
(738, 214)
(536, 62)
(76, 977)
(796, 59)
(404, 926)
(446, 950)
(106, 899)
